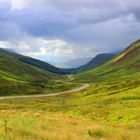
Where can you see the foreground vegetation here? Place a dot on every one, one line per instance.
(51, 126)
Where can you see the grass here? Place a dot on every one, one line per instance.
(31, 125)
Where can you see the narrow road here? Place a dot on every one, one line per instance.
(84, 86)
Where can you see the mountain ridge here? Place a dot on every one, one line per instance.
(125, 64)
(33, 62)
(17, 77)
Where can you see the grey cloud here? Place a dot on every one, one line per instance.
(96, 25)
(137, 14)
(54, 18)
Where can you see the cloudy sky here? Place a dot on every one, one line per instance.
(58, 30)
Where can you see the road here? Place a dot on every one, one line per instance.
(84, 86)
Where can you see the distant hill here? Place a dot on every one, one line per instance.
(98, 60)
(124, 65)
(93, 63)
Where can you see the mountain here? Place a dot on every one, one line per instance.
(34, 62)
(93, 63)
(124, 65)
(98, 60)
(24, 75)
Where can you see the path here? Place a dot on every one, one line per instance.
(84, 86)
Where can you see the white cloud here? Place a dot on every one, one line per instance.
(4, 44)
(24, 46)
(42, 46)
(37, 47)
(17, 4)
(21, 4)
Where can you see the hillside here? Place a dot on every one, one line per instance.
(125, 64)
(97, 61)
(24, 75)
(34, 62)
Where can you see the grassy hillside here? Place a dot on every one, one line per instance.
(20, 77)
(97, 61)
(33, 62)
(124, 66)
(116, 86)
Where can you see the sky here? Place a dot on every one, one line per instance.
(60, 30)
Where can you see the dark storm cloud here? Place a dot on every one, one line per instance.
(54, 18)
(137, 14)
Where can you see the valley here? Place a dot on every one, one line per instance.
(99, 103)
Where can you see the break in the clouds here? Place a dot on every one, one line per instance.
(68, 28)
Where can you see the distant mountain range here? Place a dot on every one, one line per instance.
(76, 65)
(93, 63)
(71, 66)
(72, 63)
(98, 60)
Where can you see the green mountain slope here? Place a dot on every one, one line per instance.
(24, 75)
(124, 65)
(34, 62)
(16, 76)
(97, 61)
